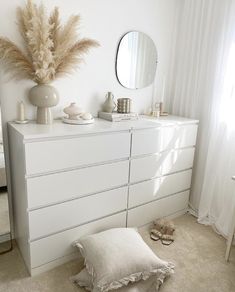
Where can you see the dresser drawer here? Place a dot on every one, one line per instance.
(55, 155)
(49, 220)
(143, 168)
(58, 187)
(147, 191)
(164, 207)
(163, 138)
(58, 245)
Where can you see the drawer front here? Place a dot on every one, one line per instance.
(49, 220)
(56, 246)
(53, 188)
(163, 138)
(68, 153)
(161, 164)
(148, 191)
(164, 207)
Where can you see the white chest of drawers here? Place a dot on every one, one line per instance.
(69, 181)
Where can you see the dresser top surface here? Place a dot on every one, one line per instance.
(59, 129)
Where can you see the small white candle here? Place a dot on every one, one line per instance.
(21, 111)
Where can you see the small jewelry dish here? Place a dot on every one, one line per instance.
(77, 116)
(79, 121)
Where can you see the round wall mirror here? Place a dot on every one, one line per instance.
(136, 61)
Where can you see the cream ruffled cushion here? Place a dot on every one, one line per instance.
(83, 279)
(118, 256)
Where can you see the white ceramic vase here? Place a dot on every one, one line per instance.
(44, 96)
(109, 104)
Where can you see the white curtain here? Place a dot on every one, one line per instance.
(203, 87)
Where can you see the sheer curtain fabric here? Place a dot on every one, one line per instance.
(203, 87)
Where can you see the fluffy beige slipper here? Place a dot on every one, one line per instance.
(167, 228)
(155, 235)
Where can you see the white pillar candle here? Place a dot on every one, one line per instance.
(21, 111)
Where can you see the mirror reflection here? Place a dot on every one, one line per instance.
(5, 232)
(136, 60)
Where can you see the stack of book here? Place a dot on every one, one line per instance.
(117, 117)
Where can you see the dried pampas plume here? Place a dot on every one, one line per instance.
(51, 50)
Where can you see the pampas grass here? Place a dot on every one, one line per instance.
(51, 50)
(15, 61)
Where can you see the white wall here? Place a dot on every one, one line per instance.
(105, 21)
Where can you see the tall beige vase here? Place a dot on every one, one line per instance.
(44, 96)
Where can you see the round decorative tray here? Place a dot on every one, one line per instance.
(78, 121)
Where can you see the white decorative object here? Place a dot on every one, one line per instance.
(21, 111)
(78, 121)
(77, 116)
(73, 111)
(87, 116)
(109, 104)
(140, 168)
(21, 114)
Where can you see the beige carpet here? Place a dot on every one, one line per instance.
(198, 254)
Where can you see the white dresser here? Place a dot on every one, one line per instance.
(69, 181)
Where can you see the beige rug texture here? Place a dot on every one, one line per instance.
(198, 253)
